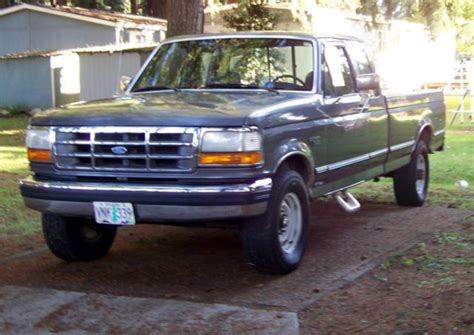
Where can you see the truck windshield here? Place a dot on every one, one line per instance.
(239, 63)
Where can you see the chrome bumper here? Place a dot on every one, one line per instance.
(151, 203)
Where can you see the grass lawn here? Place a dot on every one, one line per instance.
(448, 167)
(15, 218)
(452, 103)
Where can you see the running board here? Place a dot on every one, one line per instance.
(347, 201)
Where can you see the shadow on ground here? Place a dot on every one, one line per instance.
(205, 265)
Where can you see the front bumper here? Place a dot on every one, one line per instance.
(152, 203)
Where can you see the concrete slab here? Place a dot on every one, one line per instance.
(47, 311)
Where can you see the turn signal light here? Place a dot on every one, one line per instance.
(38, 155)
(230, 158)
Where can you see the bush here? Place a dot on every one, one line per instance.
(14, 110)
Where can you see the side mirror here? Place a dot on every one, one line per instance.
(124, 82)
(367, 82)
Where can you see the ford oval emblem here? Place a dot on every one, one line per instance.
(119, 150)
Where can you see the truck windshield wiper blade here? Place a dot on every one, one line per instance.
(233, 85)
(156, 88)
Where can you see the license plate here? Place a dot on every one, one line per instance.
(114, 213)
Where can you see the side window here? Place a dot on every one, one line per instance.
(360, 61)
(339, 76)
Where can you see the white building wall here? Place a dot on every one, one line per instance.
(28, 30)
(26, 82)
(101, 72)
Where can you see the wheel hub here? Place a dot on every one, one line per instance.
(420, 175)
(89, 233)
(290, 223)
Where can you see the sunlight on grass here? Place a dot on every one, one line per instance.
(456, 162)
(447, 168)
(13, 123)
(15, 218)
(13, 159)
(11, 132)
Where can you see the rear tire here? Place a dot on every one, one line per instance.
(77, 239)
(275, 242)
(410, 182)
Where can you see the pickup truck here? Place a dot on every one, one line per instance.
(243, 129)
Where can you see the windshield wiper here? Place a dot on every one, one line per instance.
(156, 88)
(237, 85)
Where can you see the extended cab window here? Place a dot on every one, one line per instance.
(275, 63)
(338, 78)
(360, 61)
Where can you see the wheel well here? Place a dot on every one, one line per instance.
(426, 135)
(299, 164)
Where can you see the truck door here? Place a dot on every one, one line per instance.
(357, 129)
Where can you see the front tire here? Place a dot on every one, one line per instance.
(77, 239)
(410, 182)
(275, 242)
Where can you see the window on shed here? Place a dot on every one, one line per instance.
(339, 77)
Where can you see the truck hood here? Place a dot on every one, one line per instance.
(185, 108)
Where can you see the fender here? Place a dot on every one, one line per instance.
(425, 124)
(294, 148)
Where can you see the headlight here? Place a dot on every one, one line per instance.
(38, 144)
(231, 147)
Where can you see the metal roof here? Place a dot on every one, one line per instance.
(110, 49)
(93, 16)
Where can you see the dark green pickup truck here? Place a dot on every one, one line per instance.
(244, 129)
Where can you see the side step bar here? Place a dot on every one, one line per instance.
(347, 201)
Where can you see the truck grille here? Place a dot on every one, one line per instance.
(165, 149)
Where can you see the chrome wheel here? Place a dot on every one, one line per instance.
(420, 175)
(291, 222)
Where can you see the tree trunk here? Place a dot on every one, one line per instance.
(185, 17)
(157, 8)
(133, 7)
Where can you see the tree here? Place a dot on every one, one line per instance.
(437, 15)
(184, 16)
(157, 8)
(251, 15)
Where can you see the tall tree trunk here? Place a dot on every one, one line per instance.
(185, 17)
(157, 8)
(133, 7)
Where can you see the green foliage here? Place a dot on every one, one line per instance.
(122, 6)
(251, 15)
(436, 14)
(16, 109)
(446, 237)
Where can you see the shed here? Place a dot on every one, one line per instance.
(27, 27)
(54, 78)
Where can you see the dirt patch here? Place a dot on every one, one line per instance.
(15, 246)
(428, 290)
(205, 266)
